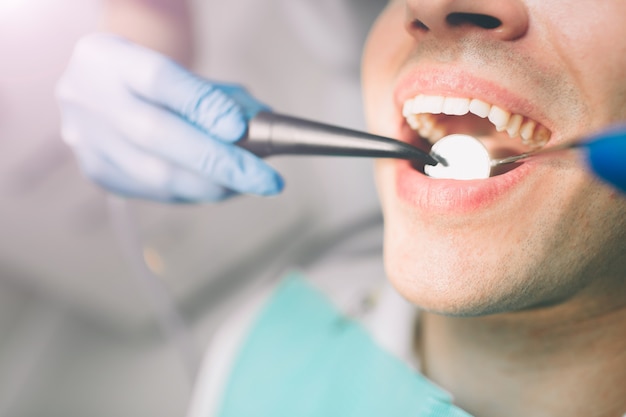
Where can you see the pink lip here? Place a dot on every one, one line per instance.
(455, 196)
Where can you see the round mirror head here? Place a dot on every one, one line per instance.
(466, 158)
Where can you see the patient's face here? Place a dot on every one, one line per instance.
(518, 75)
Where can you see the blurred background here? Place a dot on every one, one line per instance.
(79, 334)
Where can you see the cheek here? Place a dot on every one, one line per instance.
(589, 37)
(385, 51)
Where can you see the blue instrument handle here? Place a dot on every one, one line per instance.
(606, 156)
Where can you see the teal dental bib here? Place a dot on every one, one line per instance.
(303, 358)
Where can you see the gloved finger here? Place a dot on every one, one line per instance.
(218, 109)
(181, 188)
(161, 133)
(118, 165)
(108, 176)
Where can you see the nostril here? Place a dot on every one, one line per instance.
(481, 20)
(419, 25)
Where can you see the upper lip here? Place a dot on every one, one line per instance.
(452, 82)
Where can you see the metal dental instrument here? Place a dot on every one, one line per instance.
(526, 155)
(276, 134)
(467, 157)
(605, 155)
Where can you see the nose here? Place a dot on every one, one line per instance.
(499, 19)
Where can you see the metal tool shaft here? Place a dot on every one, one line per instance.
(523, 156)
(276, 134)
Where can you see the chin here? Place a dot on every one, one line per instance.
(452, 281)
(450, 290)
(473, 264)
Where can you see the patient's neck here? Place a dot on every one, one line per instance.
(568, 360)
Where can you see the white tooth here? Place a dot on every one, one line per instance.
(515, 122)
(413, 121)
(406, 109)
(418, 104)
(479, 108)
(425, 130)
(527, 130)
(431, 104)
(541, 136)
(499, 117)
(456, 106)
(434, 104)
(426, 120)
(437, 133)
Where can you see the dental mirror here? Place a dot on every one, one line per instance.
(466, 158)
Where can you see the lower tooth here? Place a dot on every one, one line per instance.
(425, 131)
(527, 130)
(427, 121)
(515, 122)
(437, 134)
(541, 136)
(413, 122)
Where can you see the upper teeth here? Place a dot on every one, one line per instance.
(418, 112)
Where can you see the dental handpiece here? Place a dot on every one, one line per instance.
(277, 134)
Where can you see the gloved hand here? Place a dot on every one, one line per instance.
(606, 155)
(143, 126)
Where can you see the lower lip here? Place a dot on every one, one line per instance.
(454, 196)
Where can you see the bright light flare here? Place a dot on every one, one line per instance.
(10, 5)
(33, 34)
(24, 9)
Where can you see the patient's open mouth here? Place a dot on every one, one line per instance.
(432, 117)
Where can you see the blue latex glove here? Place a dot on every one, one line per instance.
(606, 156)
(143, 126)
